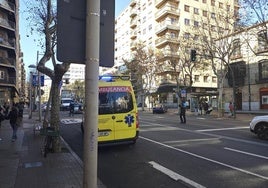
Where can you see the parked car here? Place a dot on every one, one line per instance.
(259, 126)
(158, 109)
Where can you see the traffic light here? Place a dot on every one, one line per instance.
(193, 55)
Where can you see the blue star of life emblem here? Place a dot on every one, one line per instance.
(129, 119)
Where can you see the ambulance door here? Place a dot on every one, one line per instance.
(124, 115)
(106, 130)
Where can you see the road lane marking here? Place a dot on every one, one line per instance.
(192, 140)
(222, 129)
(205, 158)
(175, 176)
(71, 121)
(247, 153)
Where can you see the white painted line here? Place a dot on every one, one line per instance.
(222, 129)
(252, 154)
(205, 158)
(174, 175)
(191, 140)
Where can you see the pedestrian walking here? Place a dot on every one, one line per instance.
(182, 112)
(231, 108)
(13, 118)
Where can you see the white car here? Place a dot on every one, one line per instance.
(259, 126)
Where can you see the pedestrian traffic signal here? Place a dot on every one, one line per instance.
(193, 55)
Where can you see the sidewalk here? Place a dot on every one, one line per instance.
(22, 164)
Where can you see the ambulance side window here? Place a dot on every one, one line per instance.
(105, 104)
(123, 102)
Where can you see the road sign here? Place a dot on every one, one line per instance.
(183, 93)
(71, 28)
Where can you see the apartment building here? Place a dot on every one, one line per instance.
(250, 64)
(163, 25)
(12, 73)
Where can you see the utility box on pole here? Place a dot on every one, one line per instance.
(71, 31)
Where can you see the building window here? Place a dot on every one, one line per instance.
(236, 48)
(196, 78)
(213, 15)
(205, 78)
(150, 27)
(262, 41)
(196, 23)
(196, 11)
(214, 79)
(205, 13)
(220, 5)
(186, 21)
(204, 1)
(263, 70)
(186, 8)
(2, 75)
(212, 2)
(186, 35)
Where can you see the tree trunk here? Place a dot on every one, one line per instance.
(55, 117)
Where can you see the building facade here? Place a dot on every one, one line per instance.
(12, 73)
(250, 64)
(163, 25)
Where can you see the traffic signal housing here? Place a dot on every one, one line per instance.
(193, 55)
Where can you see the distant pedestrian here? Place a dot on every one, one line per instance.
(231, 108)
(13, 118)
(2, 115)
(182, 112)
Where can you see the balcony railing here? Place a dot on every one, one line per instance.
(173, 25)
(7, 24)
(167, 10)
(7, 5)
(10, 43)
(8, 81)
(7, 61)
(166, 38)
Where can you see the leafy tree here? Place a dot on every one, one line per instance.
(142, 70)
(218, 45)
(42, 20)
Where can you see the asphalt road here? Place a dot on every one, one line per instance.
(205, 152)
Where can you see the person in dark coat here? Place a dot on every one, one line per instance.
(13, 116)
(182, 112)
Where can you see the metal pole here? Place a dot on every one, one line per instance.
(31, 93)
(91, 93)
(39, 89)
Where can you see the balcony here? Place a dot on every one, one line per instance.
(159, 3)
(9, 81)
(164, 40)
(165, 11)
(7, 62)
(7, 5)
(133, 23)
(133, 35)
(7, 43)
(167, 55)
(133, 3)
(7, 24)
(133, 12)
(133, 45)
(166, 26)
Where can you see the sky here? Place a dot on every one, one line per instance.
(29, 45)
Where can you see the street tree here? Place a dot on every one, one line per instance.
(42, 20)
(142, 70)
(220, 47)
(255, 13)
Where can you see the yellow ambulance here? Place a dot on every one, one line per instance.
(118, 113)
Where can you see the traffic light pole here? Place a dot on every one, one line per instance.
(91, 94)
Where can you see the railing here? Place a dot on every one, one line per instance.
(7, 23)
(7, 61)
(169, 9)
(9, 80)
(7, 5)
(167, 24)
(167, 38)
(7, 43)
